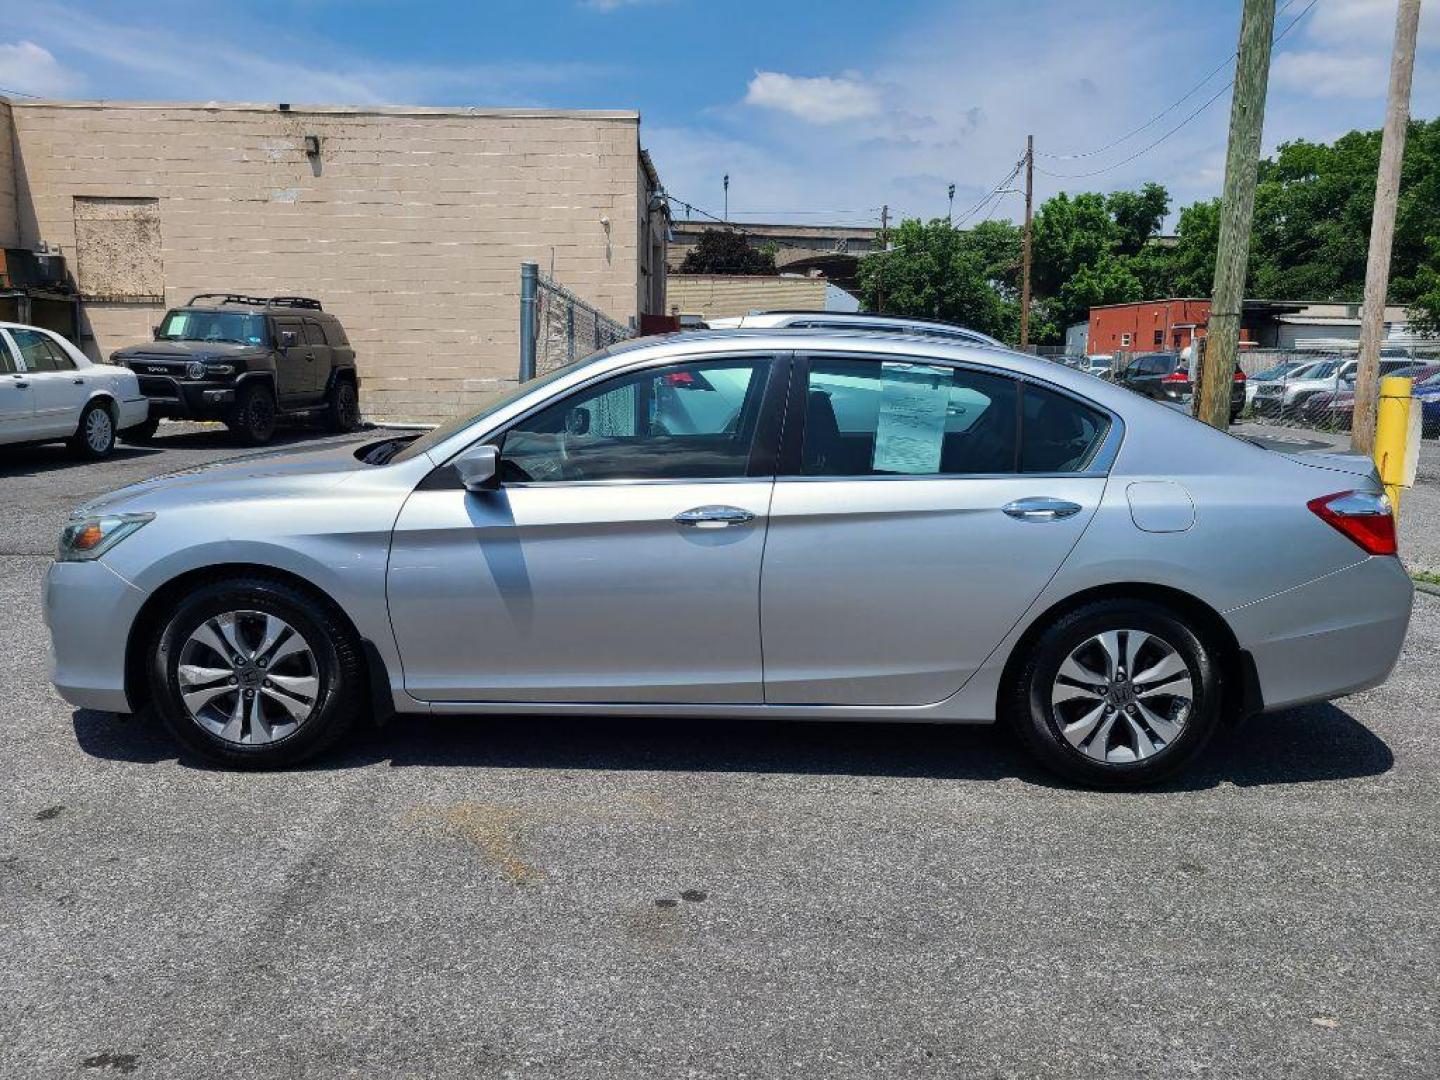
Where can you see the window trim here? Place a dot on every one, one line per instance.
(764, 450)
(790, 467)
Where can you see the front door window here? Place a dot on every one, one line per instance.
(693, 421)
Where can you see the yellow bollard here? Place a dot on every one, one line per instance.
(1392, 427)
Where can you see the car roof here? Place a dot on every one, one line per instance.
(869, 319)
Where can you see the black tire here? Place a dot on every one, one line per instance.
(254, 414)
(1028, 707)
(94, 438)
(342, 407)
(336, 660)
(141, 434)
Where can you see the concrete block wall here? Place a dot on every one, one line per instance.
(9, 219)
(410, 226)
(716, 296)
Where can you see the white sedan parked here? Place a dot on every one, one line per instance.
(50, 390)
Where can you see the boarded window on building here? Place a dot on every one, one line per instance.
(117, 249)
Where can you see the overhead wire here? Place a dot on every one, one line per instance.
(1183, 123)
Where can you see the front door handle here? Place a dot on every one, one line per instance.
(79, 382)
(23, 385)
(1041, 508)
(714, 517)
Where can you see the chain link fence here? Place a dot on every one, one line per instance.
(564, 328)
(1304, 388)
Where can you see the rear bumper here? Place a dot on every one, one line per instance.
(1333, 636)
(89, 609)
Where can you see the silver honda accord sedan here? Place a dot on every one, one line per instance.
(804, 524)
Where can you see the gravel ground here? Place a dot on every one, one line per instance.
(568, 898)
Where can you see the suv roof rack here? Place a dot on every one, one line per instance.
(259, 301)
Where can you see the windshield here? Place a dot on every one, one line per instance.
(1278, 370)
(489, 403)
(241, 328)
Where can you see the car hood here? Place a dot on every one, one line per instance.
(187, 350)
(284, 473)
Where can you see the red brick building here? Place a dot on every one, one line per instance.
(1148, 326)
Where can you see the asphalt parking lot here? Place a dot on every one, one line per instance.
(597, 898)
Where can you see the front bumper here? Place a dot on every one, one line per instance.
(172, 397)
(1336, 635)
(90, 609)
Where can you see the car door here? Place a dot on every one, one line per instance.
(294, 363)
(17, 396)
(920, 508)
(318, 362)
(59, 388)
(619, 559)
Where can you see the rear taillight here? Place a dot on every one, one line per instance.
(1239, 375)
(1364, 517)
(1177, 376)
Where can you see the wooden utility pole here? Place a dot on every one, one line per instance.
(1025, 256)
(1237, 210)
(1382, 227)
(884, 247)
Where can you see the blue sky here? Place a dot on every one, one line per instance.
(819, 110)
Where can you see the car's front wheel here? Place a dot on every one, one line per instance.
(255, 673)
(254, 415)
(1117, 693)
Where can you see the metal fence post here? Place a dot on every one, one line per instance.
(529, 273)
(569, 331)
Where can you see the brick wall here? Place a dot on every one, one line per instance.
(410, 226)
(717, 296)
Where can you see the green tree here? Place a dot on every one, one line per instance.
(1137, 216)
(725, 251)
(935, 271)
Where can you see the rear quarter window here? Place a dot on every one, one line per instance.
(335, 334)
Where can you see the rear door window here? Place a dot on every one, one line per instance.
(1057, 433)
(902, 418)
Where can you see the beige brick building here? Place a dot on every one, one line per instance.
(714, 296)
(410, 224)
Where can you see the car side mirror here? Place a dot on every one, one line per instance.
(155, 332)
(479, 468)
(288, 338)
(577, 421)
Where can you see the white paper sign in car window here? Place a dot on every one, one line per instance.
(910, 432)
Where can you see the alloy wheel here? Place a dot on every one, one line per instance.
(99, 431)
(1122, 696)
(248, 677)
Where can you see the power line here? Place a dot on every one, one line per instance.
(1210, 101)
(1148, 123)
(17, 93)
(1014, 172)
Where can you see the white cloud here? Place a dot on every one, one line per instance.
(1363, 22)
(29, 69)
(821, 100)
(1327, 74)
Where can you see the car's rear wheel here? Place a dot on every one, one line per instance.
(94, 436)
(1117, 693)
(254, 673)
(253, 417)
(342, 409)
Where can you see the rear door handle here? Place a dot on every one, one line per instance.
(714, 517)
(79, 382)
(23, 385)
(1041, 508)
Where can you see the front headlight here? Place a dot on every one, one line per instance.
(90, 537)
